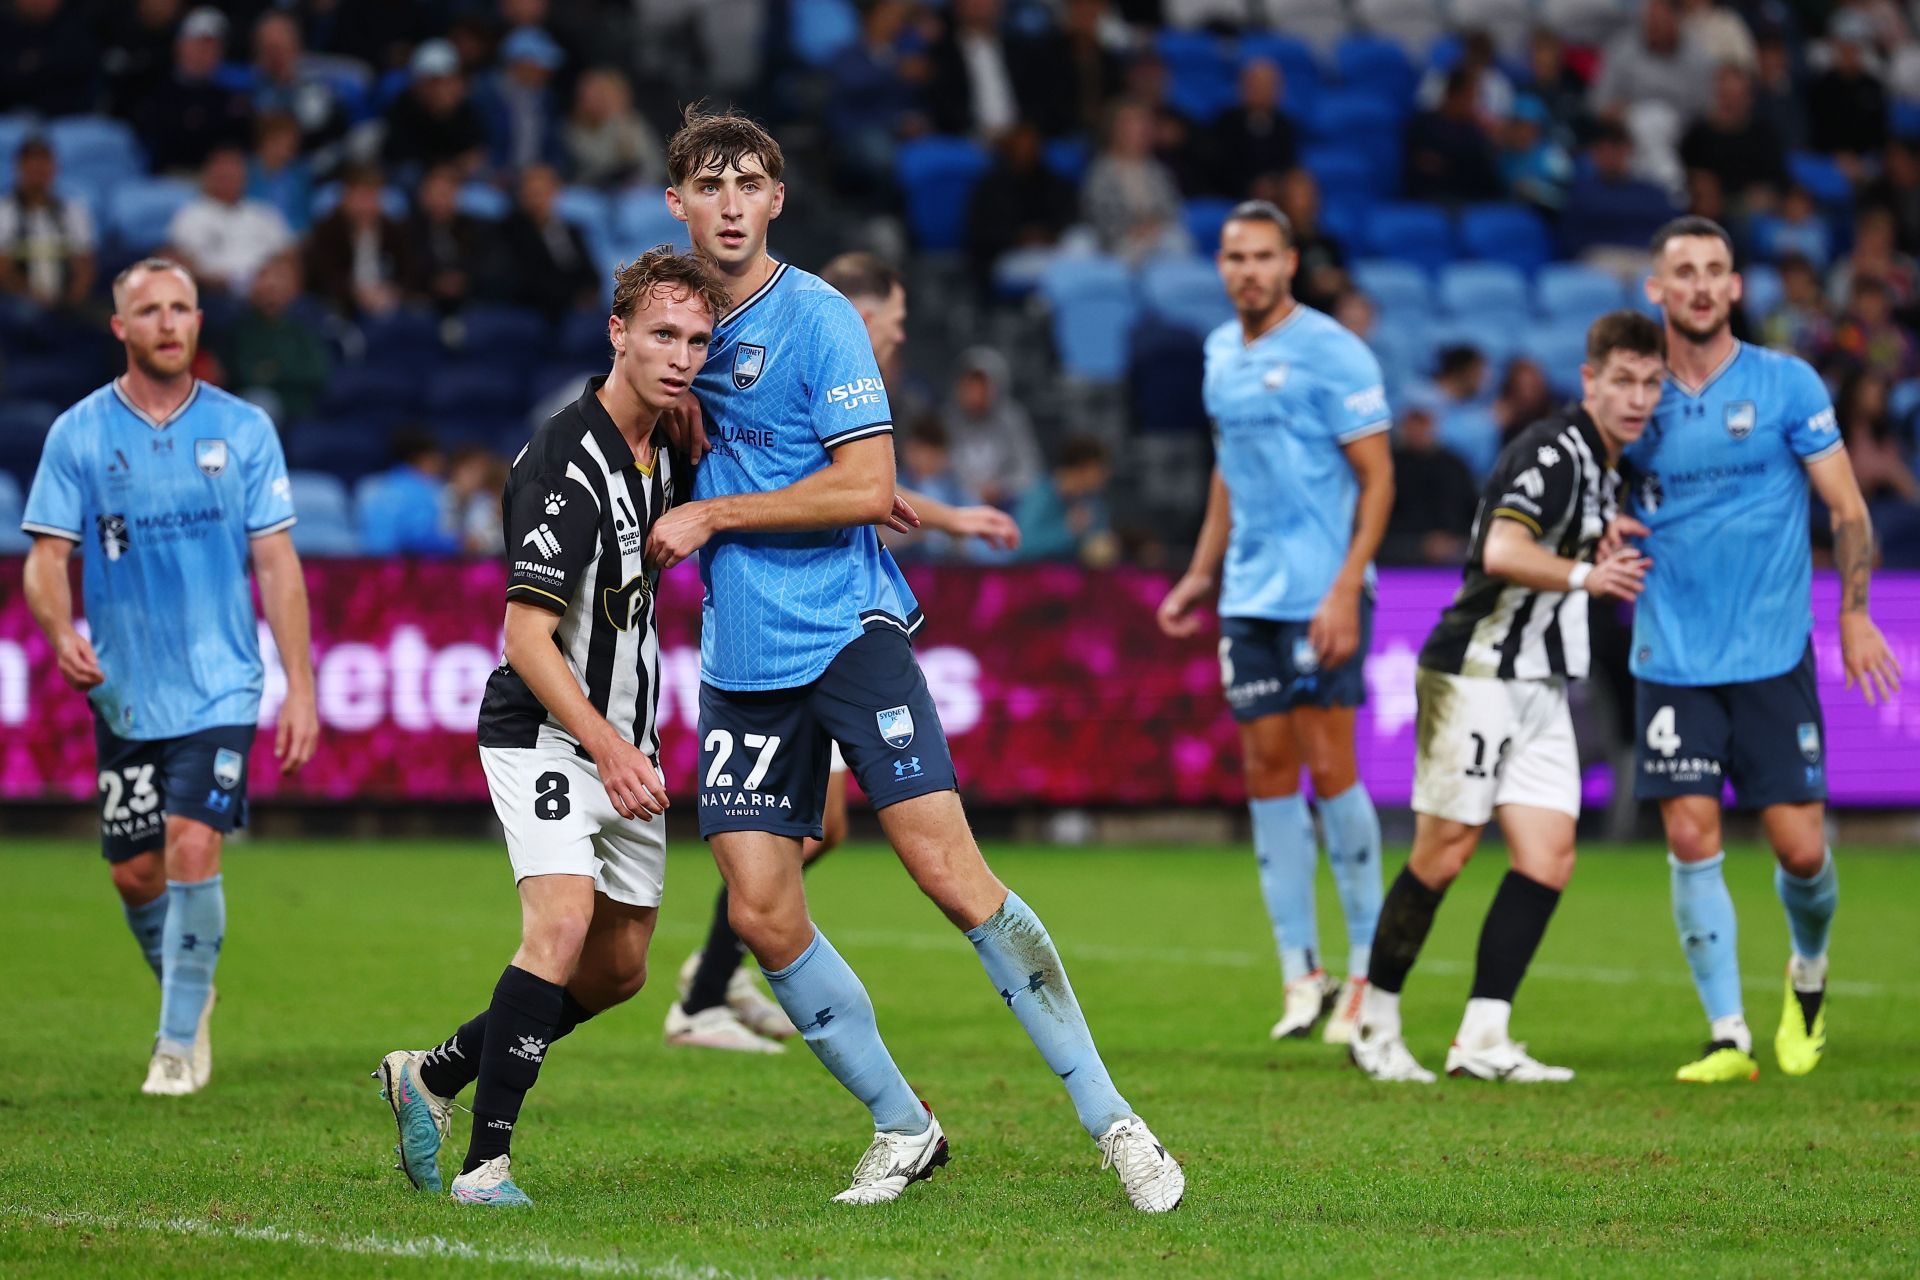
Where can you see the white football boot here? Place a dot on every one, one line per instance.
(894, 1162)
(169, 1075)
(1382, 1054)
(1308, 999)
(760, 1011)
(491, 1184)
(1346, 1011)
(1506, 1060)
(716, 1028)
(1154, 1180)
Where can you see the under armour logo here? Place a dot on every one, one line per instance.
(1697, 940)
(908, 768)
(1035, 981)
(820, 1019)
(189, 941)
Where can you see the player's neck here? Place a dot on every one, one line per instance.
(155, 397)
(744, 283)
(1691, 361)
(1612, 446)
(632, 419)
(1257, 326)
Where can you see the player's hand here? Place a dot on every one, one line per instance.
(1620, 576)
(1176, 614)
(903, 518)
(77, 661)
(989, 524)
(1869, 662)
(631, 781)
(1615, 536)
(686, 426)
(678, 534)
(298, 732)
(1334, 632)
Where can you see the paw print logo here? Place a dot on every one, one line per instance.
(1548, 455)
(554, 503)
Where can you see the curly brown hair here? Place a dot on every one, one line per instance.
(661, 272)
(717, 140)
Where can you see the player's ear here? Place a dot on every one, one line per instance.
(1651, 287)
(779, 199)
(1739, 287)
(674, 206)
(617, 334)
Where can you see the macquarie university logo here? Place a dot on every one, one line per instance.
(748, 361)
(113, 535)
(896, 727)
(210, 456)
(1740, 418)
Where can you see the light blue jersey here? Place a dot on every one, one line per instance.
(1720, 478)
(1283, 407)
(164, 513)
(790, 377)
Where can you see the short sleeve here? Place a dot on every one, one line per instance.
(848, 400)
(1357, 393)
(1533, 484)
(1812, 430)
(269, 492)
(56, 504)
(553, 537)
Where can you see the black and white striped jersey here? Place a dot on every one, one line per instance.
(1554, 479)
(576, 509)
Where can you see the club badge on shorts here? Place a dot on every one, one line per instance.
(748, 361)
(226, 768)
(1305, 659)
(896, 727)
(1810, 742)
(210, 456)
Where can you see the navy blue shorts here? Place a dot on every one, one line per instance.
(764, 756)
(1767, 737)
(1270, 667)
(202, 776)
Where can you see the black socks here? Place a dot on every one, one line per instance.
(1405, 918)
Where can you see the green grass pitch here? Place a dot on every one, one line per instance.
(649, 1161)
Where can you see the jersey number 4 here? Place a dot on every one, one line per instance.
(720, 743)
(1660, 733)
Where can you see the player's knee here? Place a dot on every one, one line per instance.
(556, 941)
(1331, 777)
(607, 987)
(1692, 837)
(1802, 858)
(139, 880)
(1269, 779)
(193, 852)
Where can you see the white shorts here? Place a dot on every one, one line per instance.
(1482, 743)
(560, 821)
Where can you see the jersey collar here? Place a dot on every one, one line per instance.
(1293, 318)
(1589, 431)
(754, 298)
(1694, 393)
(613, 446)
(158, 424)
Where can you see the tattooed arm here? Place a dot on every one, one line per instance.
(1862, 647)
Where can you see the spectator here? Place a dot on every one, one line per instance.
(274, 356)
(1354, 310)
(48, 61)
(434, 121)
(475, 477)
(547, 264)
(1525, 397)
(876, 93)
(276, 174)
(1802, 323)
(1651, 63)
(1254, 137)
(926, 467)
(1461, 413)
(609, 144)
(1876, 254)
(1846, 103)
(1897, 190)
(1738, 148)
(1129, 197)
(1434, 496)
(1018, 205)
(194, 110)
(1064, 515)
(994, 451)
(220, 235)
(1067, 77)
(1180, 150)
(46, 243)
(404, 510)
(445, 247)
(1720, 35)
(357, 256)
(1549, 79)
(284, 81)
(1608, 207)
(1493, 92)
(517, 103)
(1873, 440)
(1449, 157)
(1799, 229)
(972, 86)
(1868, 339)
(1776, 97)
(1321, 273)
(1535, 168)
(139, 57)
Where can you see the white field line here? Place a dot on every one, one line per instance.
(881, 940)
(426, 1248)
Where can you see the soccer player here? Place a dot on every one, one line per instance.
(1722, 638)
(1493, 734)
(720, 1006)
(805, 639)
(174, 488)
(1302, 488)
(567, 731)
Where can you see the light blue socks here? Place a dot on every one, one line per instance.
(1284, 845)
(196, 925)
(1353, 851)
(1810, 904)
(1703, 912)
(1020, 958)
(826, 1001)
(148, 921)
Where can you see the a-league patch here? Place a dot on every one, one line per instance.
(1740, 419)
(1810, 742)
(210, 456)
(227, 764)
(748, 361)
(896, 726)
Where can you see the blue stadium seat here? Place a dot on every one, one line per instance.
(1378, 65)
(477, 387)
(59, 377)
(13, 539)
(586, 209)
(1418, 233)
(97, 146)
(1165, 365)
(1823, 178)
(320, 496)
(1200, 73)
(1186, 292)
(386, 389)
(1496, 342)
(1355, 118)
(820, 30)
(511, 335)
(140, 209)
(1344, 172)
(23, 431)
(1398, 289)
(15, 128)
(1567, 290)
(1510, 233)
(1093, 311)
(1906, 119)
(641, 221)
(1299, 66)
(1762, 291)
(393, 201)
(567, 374)
(1068, 158)
(1204, 217)
(12, 500)
(479, 200)
(1344, 218)
(408, 339)
(1558, 348)
(938, 177)
(1495, 292)
(325, 537)
(346, 446)
(582, 338)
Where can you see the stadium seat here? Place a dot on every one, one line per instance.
(1165, 366)
(393, 201)
(1823, 178)
(1185, 292)
(1377, 66)
(479, 200)
(1093, 305)
(409, 339)
(1417, 233)
(1906, 119)
(938, 177)
(1355, 118)
(12, 501)
(641, 221)
(511, 335)
(140, 209)
(23, 431)
(1344, 218)
(1584, 22)
(1068, 158)
(345, 446)
(1762, 292)
(1567, 290)
(582, 338)
(586, 209)
(1558, 348)
(1204, 216)
(1399, 289)
(95, 147)
(1510, 233)
(1494, 292)
(1412, 24)
(58, 377)
(1496, 342)
(479, 387)
(1200, 74)
(1299, 66)
(1344, 172)
(394, 388)
(821, 30)
(324, 537)
(320, 496)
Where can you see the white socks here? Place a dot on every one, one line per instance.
(1734, 1027)
(1808, 975)
(1485, 1024)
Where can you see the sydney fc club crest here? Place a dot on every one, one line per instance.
(896, 726)
(226, 768)
(210, 456)
(1306, 659)
(1810, 742)
(1740, 415)
(748, 361)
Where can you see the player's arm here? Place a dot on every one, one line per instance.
(1514, 554)
(629, 777)
(1175, 615)
(1862, 648)
(854, 488)
(1355, 407)
(50, 600)
(990, 524)
(283, 597)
